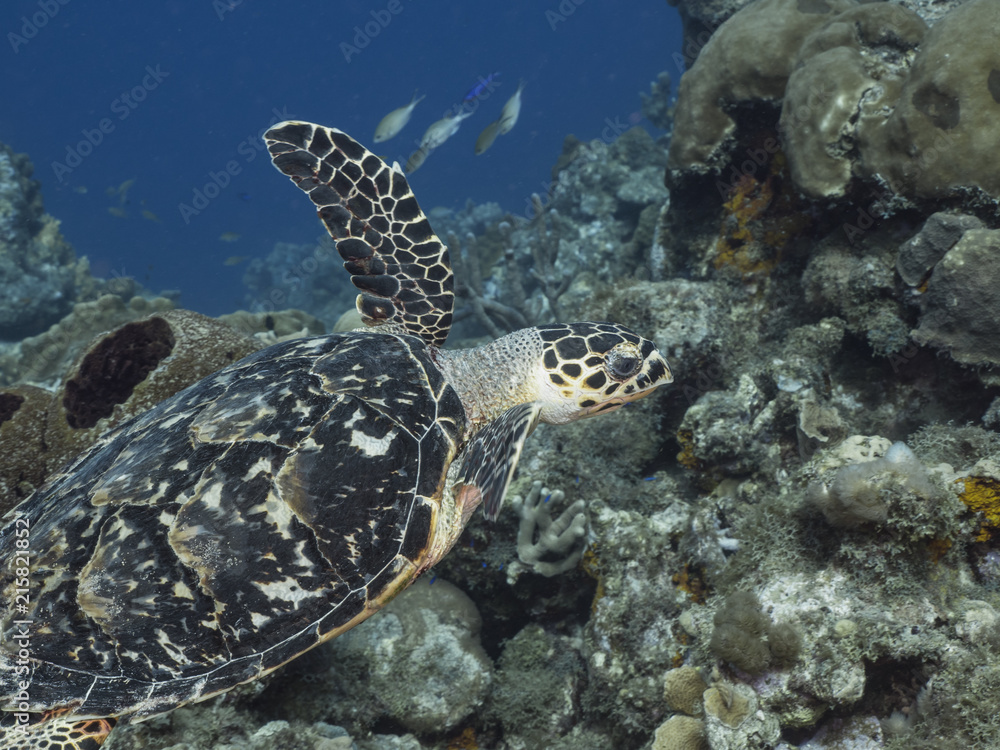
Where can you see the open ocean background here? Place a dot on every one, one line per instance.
(184, 88)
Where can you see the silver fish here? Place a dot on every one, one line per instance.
(511, 110)
(396, 120)
(442, 130)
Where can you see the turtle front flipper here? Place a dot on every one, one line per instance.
(388, 246)
(55, 733)
(492, 457)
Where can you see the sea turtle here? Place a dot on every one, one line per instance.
(286, 498)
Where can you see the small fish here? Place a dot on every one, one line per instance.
(486, 138)
(511, 110)
(396, 120)
(81, 189)
(234, 260)
(147, 214)
(229, 236)
(480, 88)
(245, 196)
(441, 131)
(123, 190)
(417, 158)
(117, 211)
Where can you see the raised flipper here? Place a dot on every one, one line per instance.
(388, 246)
(492, 456)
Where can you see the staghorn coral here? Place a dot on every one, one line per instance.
(549, 546)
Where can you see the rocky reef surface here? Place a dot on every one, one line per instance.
(797, 544)
(39, 272)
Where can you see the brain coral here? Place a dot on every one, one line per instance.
(866, 90)
(945, 127)
(736, 66)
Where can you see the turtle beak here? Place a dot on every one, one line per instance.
(655, 373)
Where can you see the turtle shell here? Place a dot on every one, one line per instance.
(234, 526)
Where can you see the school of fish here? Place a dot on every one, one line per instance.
(441, 130)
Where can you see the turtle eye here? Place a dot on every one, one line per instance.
(623, 362)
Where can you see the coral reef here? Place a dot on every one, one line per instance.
(961, 308)
(919, 254)
(419, 664)
(305, 277)
(38, 269)
(656, 105)
(933, 142)
(681, 733)
(540, 677)
(683, 689)
(797, 544)
(866, 91)
(541, 266)
(120, 374)
(42, 359)
(546, 545)
(733, 67)
(23, 413)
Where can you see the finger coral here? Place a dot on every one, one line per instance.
(549, 546)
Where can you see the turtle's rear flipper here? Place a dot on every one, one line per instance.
(54, 733)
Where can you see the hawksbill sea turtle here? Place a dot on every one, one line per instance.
(284, 499)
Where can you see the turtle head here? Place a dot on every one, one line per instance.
(595, 368)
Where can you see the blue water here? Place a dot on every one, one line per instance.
(201, 80)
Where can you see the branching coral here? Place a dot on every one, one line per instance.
(545, 251)
(496, 317)
(547, 545)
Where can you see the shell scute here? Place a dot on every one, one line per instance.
(236, 525)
